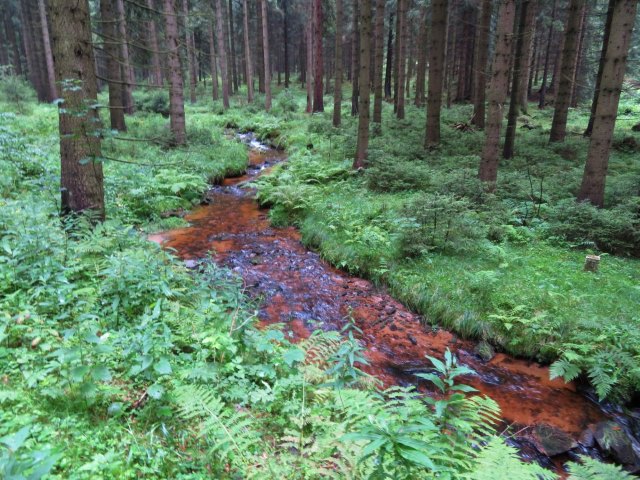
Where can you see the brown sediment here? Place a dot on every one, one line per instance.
(304, 292)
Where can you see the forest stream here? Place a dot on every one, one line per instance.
(546, 417)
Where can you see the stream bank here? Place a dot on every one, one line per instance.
(550, 421)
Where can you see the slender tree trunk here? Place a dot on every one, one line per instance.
(81, 177)
(116, 105)
(355, 60)
(309, 64)
(387, 75)
(480, 64)
(232, 49)
(34, 63)
(497, 93)
(567, 71)
(48, 56)
(127, 71)
(212, 64)
(579, 57)
(605, 42)
(222, 51)
(247, 49)
(189, 48)
(260, 47)
(267, 64)
(402, 51)
(285, 35)
(379, 62)
(527, 54)
(421, 68)
(16, 61)
(176, 82)
(337, 94)
(516, 84)
(543, 87)
(318, 61)
(436, 71)
(360, 160)
(617, 49)
(157, 77)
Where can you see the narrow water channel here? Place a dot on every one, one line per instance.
(304, 292)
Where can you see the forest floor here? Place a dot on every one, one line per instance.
(106, 335)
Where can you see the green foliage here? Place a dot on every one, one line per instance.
(152, 101)
(17, 93)
(590, 469)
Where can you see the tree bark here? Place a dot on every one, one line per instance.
(232, 49)
(421, 68)
(355, 60)
(605, 42)
(222, 51)
(617, 49)
(156, 68)
(127, 71)
(212, 59)
(309, 64)
(436, 71)
(575, 91)
(543, 87)
(176, 82)
(267, 64)
(48, 56)
(259, 47)
(360, 160)
(114, 81)
(285, 35)
(567, 71)
(527, 55)
(516, 84)
(379, 62)
(81, 177)
(402, 53)
(497, 93)
(247, 52)
(318, 62)
(189, 47)
(387, 75)
(337, 93)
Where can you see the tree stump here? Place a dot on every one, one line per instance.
(591, 263)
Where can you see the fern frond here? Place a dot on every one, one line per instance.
(591, 469)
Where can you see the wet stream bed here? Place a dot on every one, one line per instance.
(547, 417)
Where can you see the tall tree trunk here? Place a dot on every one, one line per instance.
(212, 64)
(355, 60)
(222, 51)
(232, 49)
(545, 73)
(379, 62)
(267, 63)
(189, 47)
(365, 95)
(34, 63)
(497, 93)
(389, 68)
(575, 91)
(156, 68)
(516, 84)
(247, 52)
(16, 61)
(617, 49)
(309, 64)
(176, 82)
(436, 71)
(337, 93)
(114, 76)
(567, 71)
(421, 68)
(285, 35)
(259, 47)
(48, 56)
(318, 61)
(603, 53)
(527, 55)
(127, 71)
(402, 52)
(81, 177)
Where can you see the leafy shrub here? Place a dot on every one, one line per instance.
(389, 174)
(441, 223)
(17, 92)
(154, 101)
(614, 230)
(286, 101)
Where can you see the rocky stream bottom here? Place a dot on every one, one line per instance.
(548, 420)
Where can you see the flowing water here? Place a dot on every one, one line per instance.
(304, 292)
